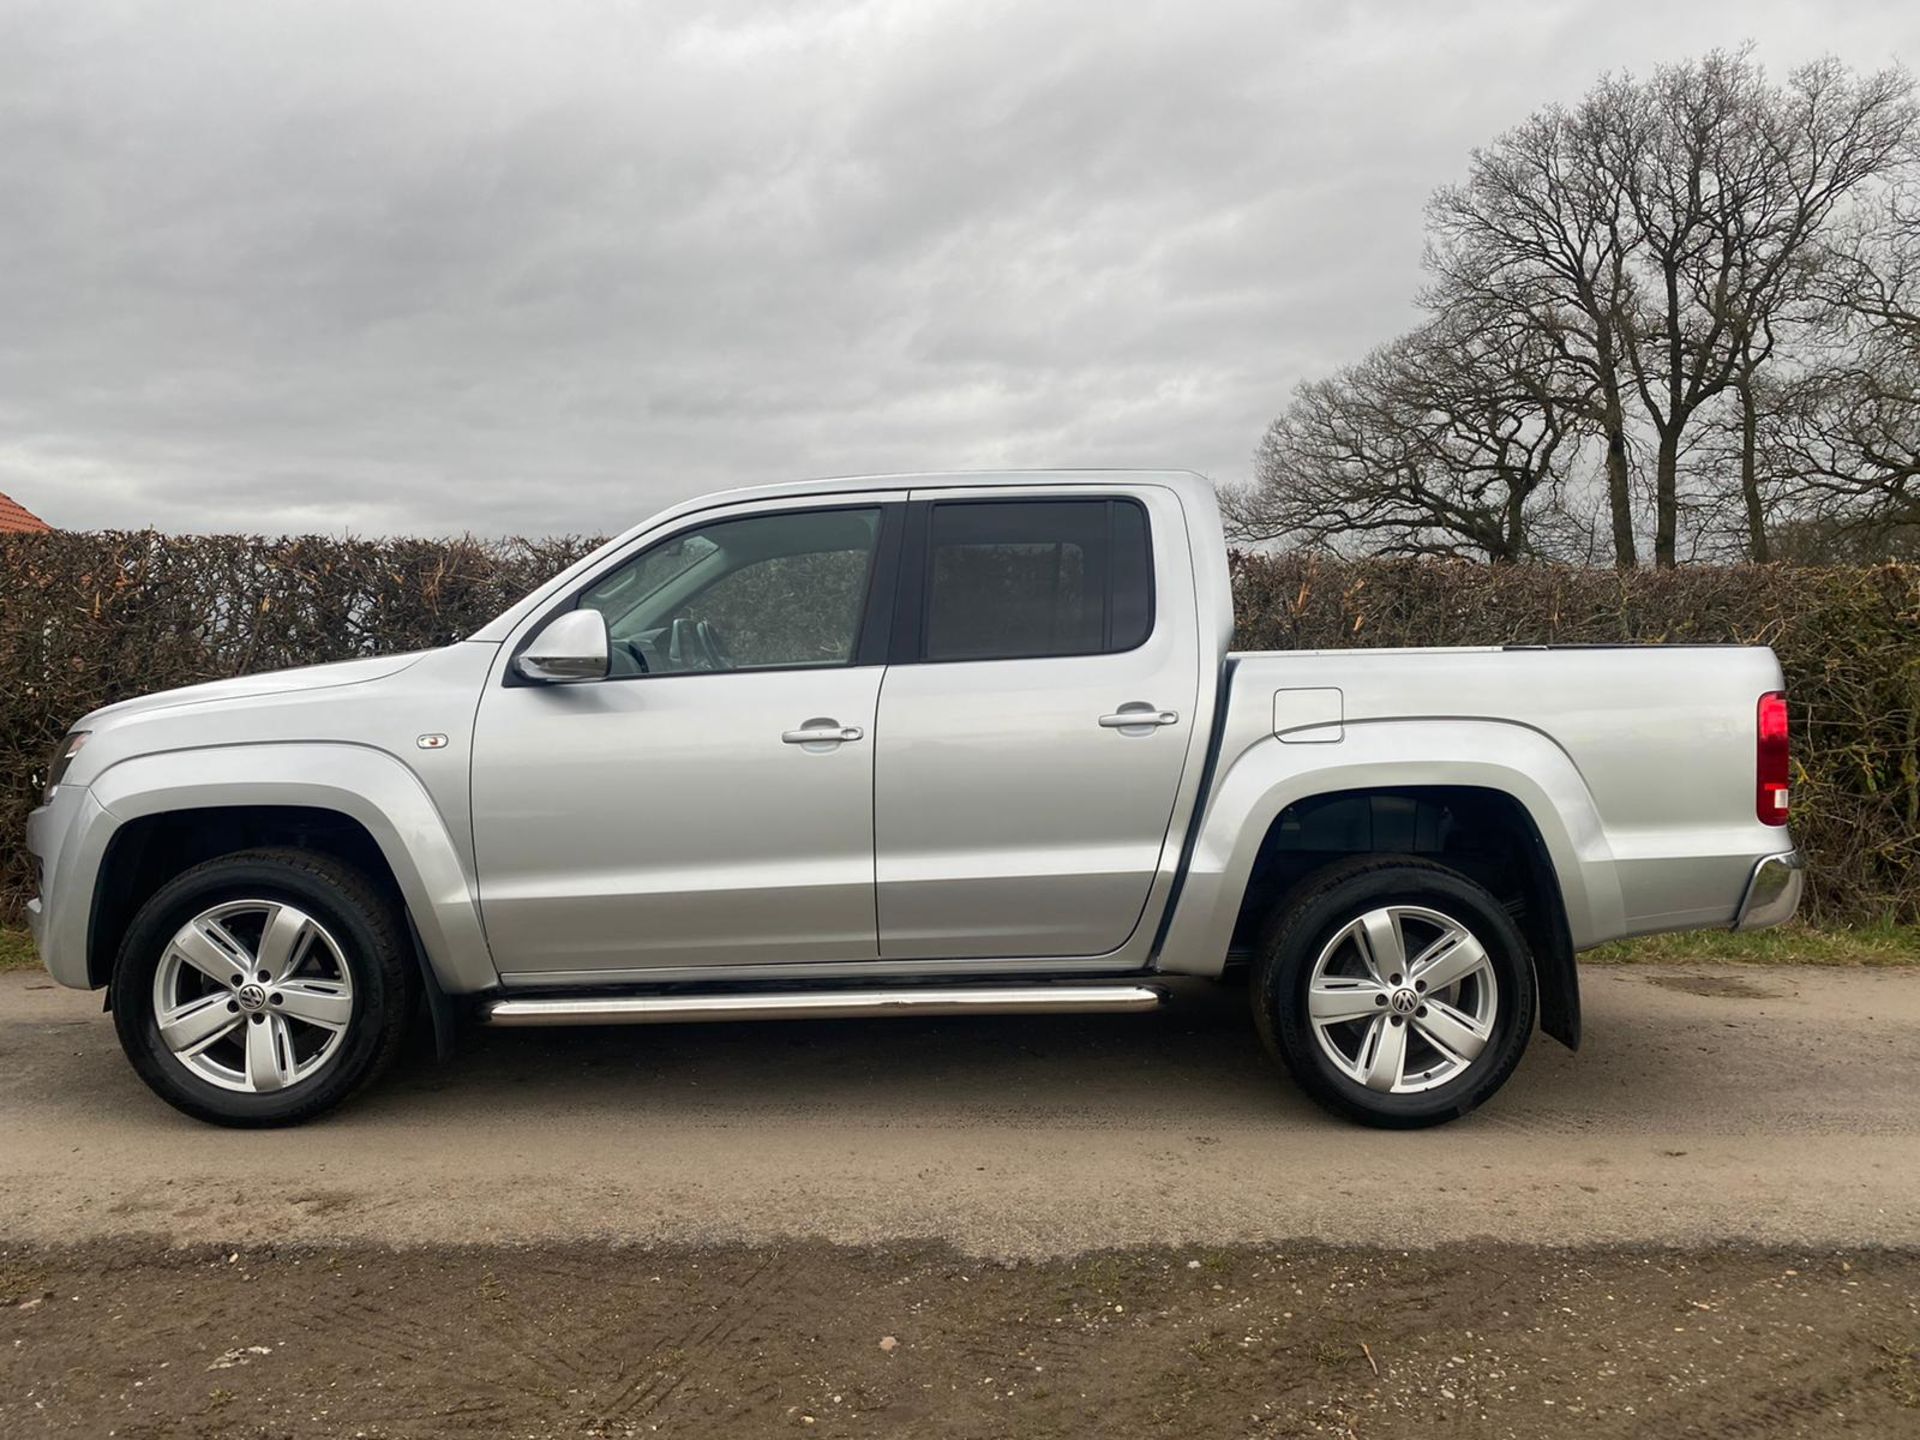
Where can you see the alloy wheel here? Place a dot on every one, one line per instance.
(253, 996)
(1403, 999)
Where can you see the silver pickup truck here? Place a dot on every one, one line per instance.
(912, 745)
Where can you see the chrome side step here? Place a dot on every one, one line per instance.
(821, 1004)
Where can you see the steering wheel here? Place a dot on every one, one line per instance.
(718, 656)
(630, 657)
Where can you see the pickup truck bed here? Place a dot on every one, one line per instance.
(1636, 762)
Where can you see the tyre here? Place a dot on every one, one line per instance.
(1397, 992)
(263, 988)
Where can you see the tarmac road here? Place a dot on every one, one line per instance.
(1772, 1105)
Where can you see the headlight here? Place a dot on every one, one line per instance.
(62, 758)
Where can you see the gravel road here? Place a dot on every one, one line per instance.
(1773, 1106)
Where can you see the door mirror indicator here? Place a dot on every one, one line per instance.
(570, 649)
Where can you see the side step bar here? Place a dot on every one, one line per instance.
(821, 1004)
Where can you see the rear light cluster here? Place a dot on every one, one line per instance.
(1770, 761)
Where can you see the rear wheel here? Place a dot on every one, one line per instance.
(1399, 993)
(262, 988)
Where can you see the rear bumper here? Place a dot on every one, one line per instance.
(1773, 892)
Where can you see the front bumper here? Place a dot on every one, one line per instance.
(66, 840)
(1773, 892)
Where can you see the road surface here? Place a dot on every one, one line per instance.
(1711, 1104)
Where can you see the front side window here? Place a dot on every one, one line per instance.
(762, 592)
(1018, 579)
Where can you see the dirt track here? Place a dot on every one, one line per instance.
(1102, 1226)
(790, 1340)
(1778, 1106)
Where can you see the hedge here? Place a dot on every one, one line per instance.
(86, 619)
(90, 618)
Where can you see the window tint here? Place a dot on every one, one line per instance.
(764, 591)
(1010, 580)
(1131, 612)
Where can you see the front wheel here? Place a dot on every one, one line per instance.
(1397, 992)
(262, 988)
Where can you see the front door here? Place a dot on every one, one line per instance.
(1035, 724)
(711, 801)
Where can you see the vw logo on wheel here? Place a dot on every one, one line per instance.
(1404, 1001)
(251, 997)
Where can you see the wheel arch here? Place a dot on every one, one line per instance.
(1282, 812)
(171, 811)
(1485, 835)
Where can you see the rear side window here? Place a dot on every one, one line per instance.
(1010, 580)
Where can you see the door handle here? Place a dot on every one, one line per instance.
(822, 732)
(1143, 716)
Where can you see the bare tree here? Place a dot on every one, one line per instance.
(1658, 235)
(1754, 349)
(1446, 442)
(1729, 182)
(1536, 235)
(1652, 272)
(1848, 428)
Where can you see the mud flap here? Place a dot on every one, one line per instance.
(1559, 983)
(446, 1022)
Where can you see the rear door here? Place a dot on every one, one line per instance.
(1034, 722)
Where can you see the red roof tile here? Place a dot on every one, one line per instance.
(17, 519)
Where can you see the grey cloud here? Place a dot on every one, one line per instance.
(519, 268)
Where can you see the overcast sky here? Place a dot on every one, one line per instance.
(547, 265)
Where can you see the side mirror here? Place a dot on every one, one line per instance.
(572, 648)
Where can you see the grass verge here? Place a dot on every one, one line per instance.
(1785, 945)
(16, 950)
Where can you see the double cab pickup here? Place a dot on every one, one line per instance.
(907, 745)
